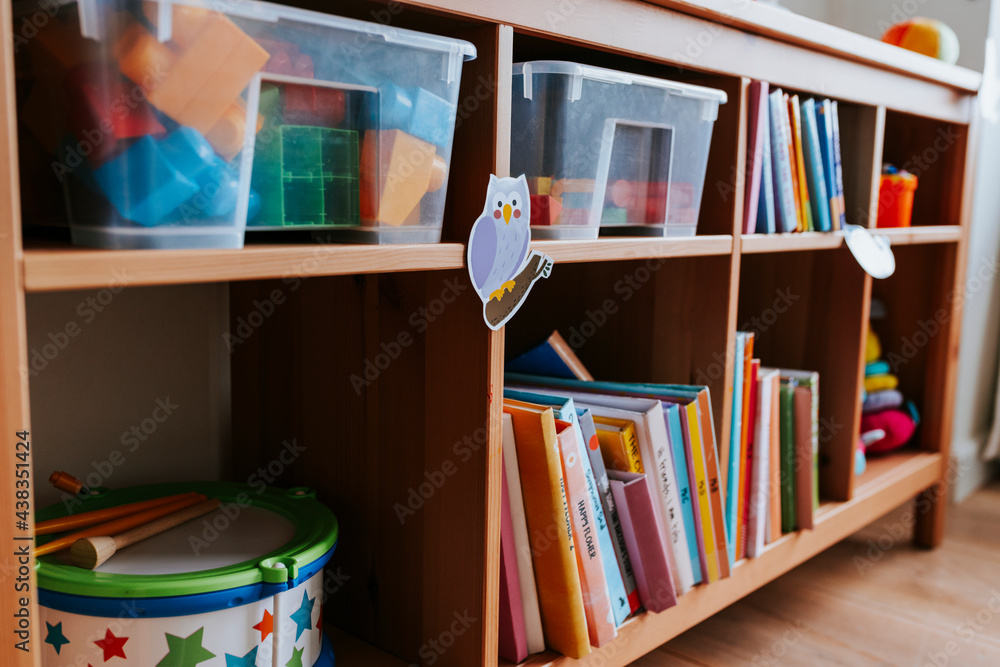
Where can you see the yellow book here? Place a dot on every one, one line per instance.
(550, 530)
(704, 491)
(619, 447)
(799, 164)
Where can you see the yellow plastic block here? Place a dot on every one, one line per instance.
(396, 171)
(205, 78)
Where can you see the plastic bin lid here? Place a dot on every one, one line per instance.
(92, 22)
(581, 72)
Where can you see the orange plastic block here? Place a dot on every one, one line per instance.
(227, 135)
(397, 170)
(197, 85)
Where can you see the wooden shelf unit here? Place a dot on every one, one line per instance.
(438, 402)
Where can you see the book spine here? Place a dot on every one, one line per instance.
(512, 640)
(758, 103)
(750, 410)
(617, 596)
(744, 445)
(550, 526)
(825, 130)
(761, 470)
(782, 166)
(706, 435)
(525, 570)
(790, 137)
(787, 457)
(814, 166)
(815, 441)
(596, 602)
(610, 512)
(765, 207)
(793, 112)
(774, 458)
(632, 454)
(733, 465)
(697, 470)
(838, 168)
(665, 484)
(803, 458)
(656, 587)
(688, 502)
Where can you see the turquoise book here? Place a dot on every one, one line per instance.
(735, 450)
(565, 410)
(672, 414)
(819, 198)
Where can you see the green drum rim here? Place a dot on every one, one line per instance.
(316, 532)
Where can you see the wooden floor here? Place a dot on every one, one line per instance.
(873, 599)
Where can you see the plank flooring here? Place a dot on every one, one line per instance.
(873, 599)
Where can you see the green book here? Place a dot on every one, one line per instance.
(787, 422)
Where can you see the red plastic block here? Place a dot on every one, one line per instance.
(545, 210)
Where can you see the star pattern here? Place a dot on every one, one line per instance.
(112, 646)
(185, 651)
(296, 660)
(266, 625)
(55, 636)
(249, 660)
(303, 615)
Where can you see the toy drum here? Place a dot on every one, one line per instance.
(242, 585)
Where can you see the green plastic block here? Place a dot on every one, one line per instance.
(614, 216)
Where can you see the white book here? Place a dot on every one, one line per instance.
(657, 461)
(525, 570)
(760, 485)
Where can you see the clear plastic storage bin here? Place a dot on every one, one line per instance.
(179, 124)
(609, 151)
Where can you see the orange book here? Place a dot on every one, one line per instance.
(799, 166)
(704, 411)
(619, 446)
(550, 530)
(589, 560)
(741, 527)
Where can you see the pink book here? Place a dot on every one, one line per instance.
(755, 153)
(644, 539)
(513, 637)
(596, 598)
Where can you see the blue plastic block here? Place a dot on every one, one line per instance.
(433, 117)
(395, 107)
(143, 185)
(191, 155)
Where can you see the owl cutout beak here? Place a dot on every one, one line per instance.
(506, 213)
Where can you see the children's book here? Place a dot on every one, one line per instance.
(644, 539)
(818, 195)
(761, 467)
(748, 339)
(766, 223)
(784, 185)
(774, 458)
(589, 432)
(697, 471)
(550, 531)
(688, 503)
(838, 168)
(596, 599)
(566, 410)
(824, 124)
(810, 380)
(800, 163)
(734, 454)
(755, 146)
(787, 456)
(553, 357)
(522, 547)
(619, 446)
(512, 641)
(750, 412)
(803, 459)
(793, 160)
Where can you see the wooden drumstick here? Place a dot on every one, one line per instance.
(118, 525)
(84, 519)
(91, 552)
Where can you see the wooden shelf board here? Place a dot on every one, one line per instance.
(760, 243)
(349, 650)
(887, 483)
(67, 268)
(624, 248)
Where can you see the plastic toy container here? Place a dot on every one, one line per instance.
(179, 124)
(609, 151)
(895, 199)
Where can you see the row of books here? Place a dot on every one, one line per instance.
(615, 497)
(794, 176)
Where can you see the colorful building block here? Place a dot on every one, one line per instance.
(545, 210)
(197, 84)
(577, 199)
(415, 111)
(564, 185)
(143, 185)
(397, 170)
(103, 111)
(191, 155)
(612, 215)
(541, 185)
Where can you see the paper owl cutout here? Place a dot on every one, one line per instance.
(501, 264)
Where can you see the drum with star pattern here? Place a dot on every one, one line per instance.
(241, 586)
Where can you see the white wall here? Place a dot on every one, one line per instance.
(968, 18)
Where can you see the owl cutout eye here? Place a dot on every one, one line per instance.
(513, 202)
